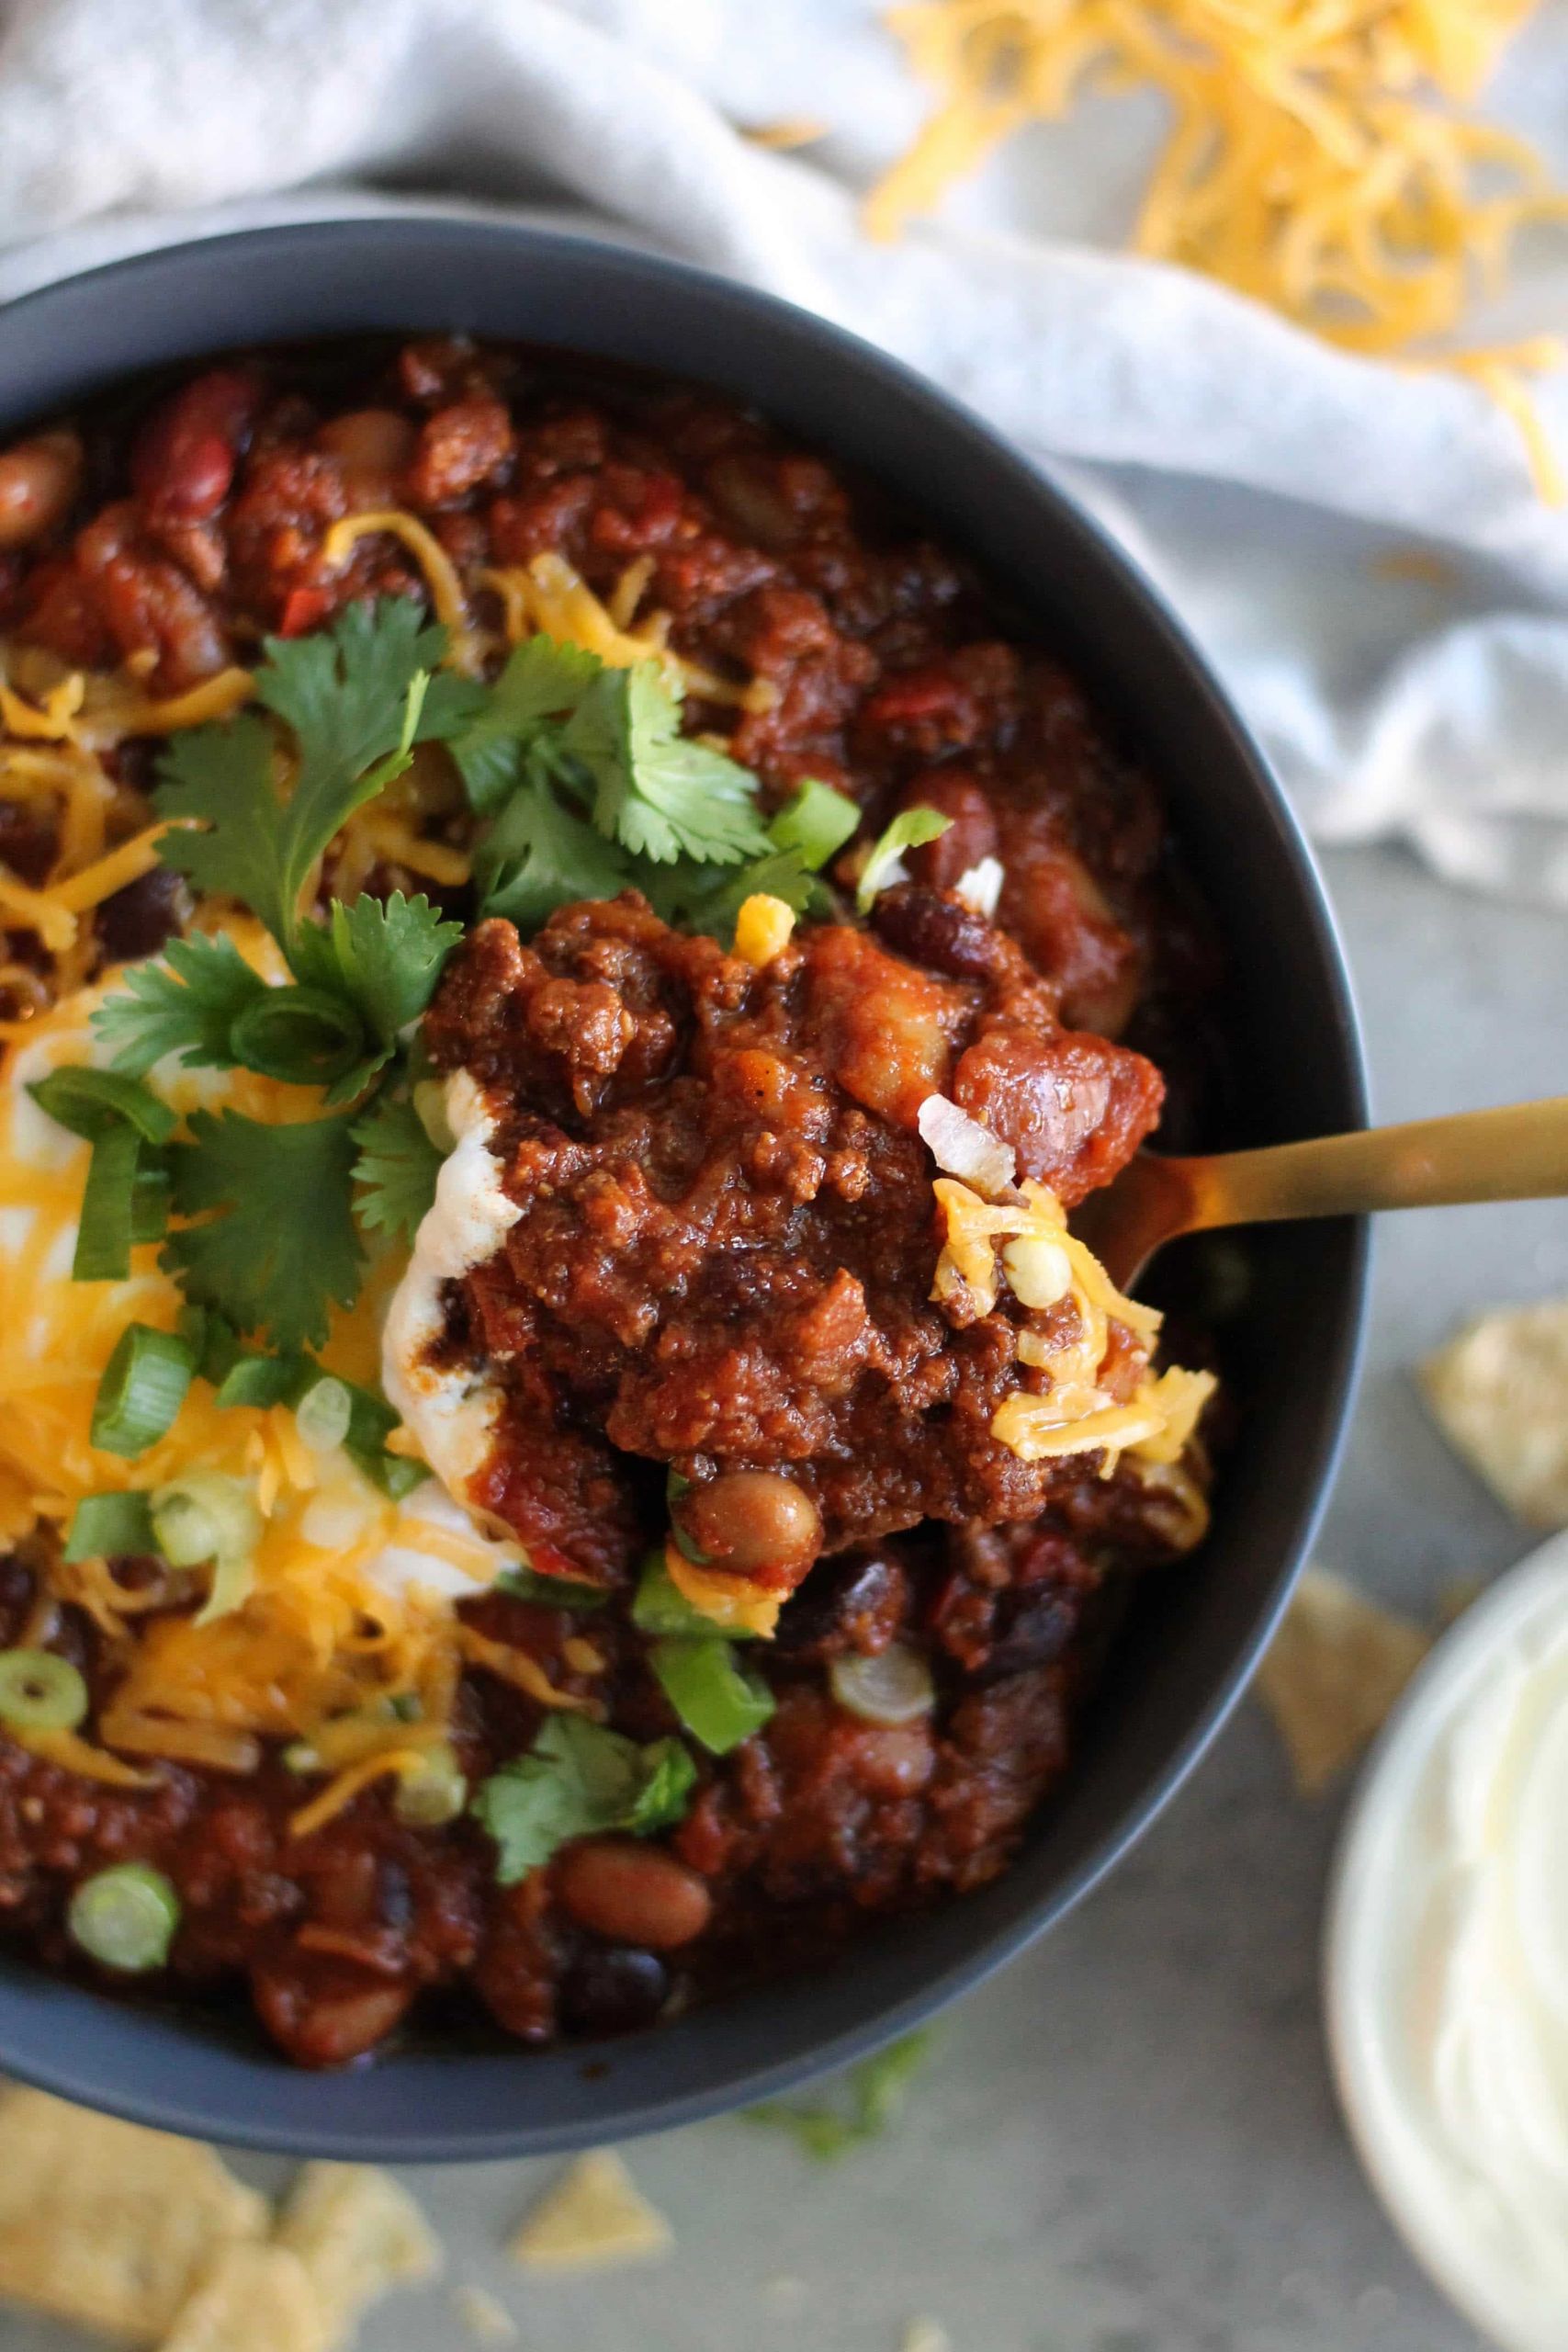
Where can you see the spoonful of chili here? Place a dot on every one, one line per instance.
(1519, 1153)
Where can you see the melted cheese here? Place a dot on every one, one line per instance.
(1318, 159)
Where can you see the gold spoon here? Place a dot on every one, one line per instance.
(1516, 1154)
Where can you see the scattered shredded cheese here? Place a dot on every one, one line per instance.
(1317, 160)
(549, 595)
(762, 928)
(466, 648)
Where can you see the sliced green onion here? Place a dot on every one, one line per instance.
(39, 1692)
(143, 1386)
(893, 1686)
(211, 1339)
(125, 1919)
(323, 1414)
(718, 1704)
(429, 1099)
(262, 1380)
(232, 1580)
(659, 1606)
(111, 1526)
(433, 1796)
(150, 1196)
(205, 1516)
(550, 1593)
(306, 1036)
(106, 1228)
(909, 829)
(815, 820)
(396, 1475)
(91, 1102)
(405, 1707)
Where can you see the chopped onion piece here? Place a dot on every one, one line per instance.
(895, 1687)
(980, 885)
(963, 1147)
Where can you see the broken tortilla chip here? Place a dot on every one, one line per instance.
(1332, 1673)
(357, 2234)
(109, 2225)
(255, 2299)
(1499, 1393)
(592, 2216)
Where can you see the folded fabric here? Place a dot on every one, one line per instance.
(1274, 486)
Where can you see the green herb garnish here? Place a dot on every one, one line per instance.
(909, 829)
(579, 1780)
(876, 2092)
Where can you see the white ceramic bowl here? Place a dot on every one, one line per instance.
(1383, 1937)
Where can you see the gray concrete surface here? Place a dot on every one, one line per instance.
(1128, 2144)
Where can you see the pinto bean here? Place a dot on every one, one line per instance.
(38, 481)
(894, 1759)
(634, 1895)
(749, 1521)
(375, 447)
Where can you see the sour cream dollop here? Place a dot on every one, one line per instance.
(1447, 1960)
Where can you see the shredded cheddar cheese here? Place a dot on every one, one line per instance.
(549, 595)
(1076, 1413)
(466, 647)
(1318, 157)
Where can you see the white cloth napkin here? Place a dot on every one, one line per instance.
(1265, 480)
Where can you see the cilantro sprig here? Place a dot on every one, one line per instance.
(582, 782)
(578, 1780)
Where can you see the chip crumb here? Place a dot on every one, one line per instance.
(926, 2335)
(256, 2298)
(1499, 1393)
(592, 2216)
(484, 2315)
(358, 2234)
(107, 2225)
(1334, 1670)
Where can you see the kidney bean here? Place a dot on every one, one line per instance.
(753, 1520)
(322, 2010)
(182, 467)
(633, 1894)
(374, 446)
(38, 481)
(855, 1601)
(614, 1992)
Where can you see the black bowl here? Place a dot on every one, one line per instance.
(1191, 1640)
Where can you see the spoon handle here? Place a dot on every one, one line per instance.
(1519, 1153)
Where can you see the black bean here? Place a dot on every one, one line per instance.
(135, 920)
(618, 1990)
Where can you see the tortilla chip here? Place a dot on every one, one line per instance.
(1499, 1393)
(592, 2216)
(358, 2234)
(255, 2299)
(109, 2225)
(1334, 1669)
(484, 2315)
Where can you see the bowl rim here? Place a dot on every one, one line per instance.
(139, 2062)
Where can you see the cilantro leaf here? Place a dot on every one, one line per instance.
(396, 1169)
(816, 820)
(656, 792)
(283, 1247)
(384, 955)
(699, 900)
(184, 1004)
(541, 854)
(908, 830)
(876, 2091)
(579, 1779)
(542, 681)
(355, 697)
